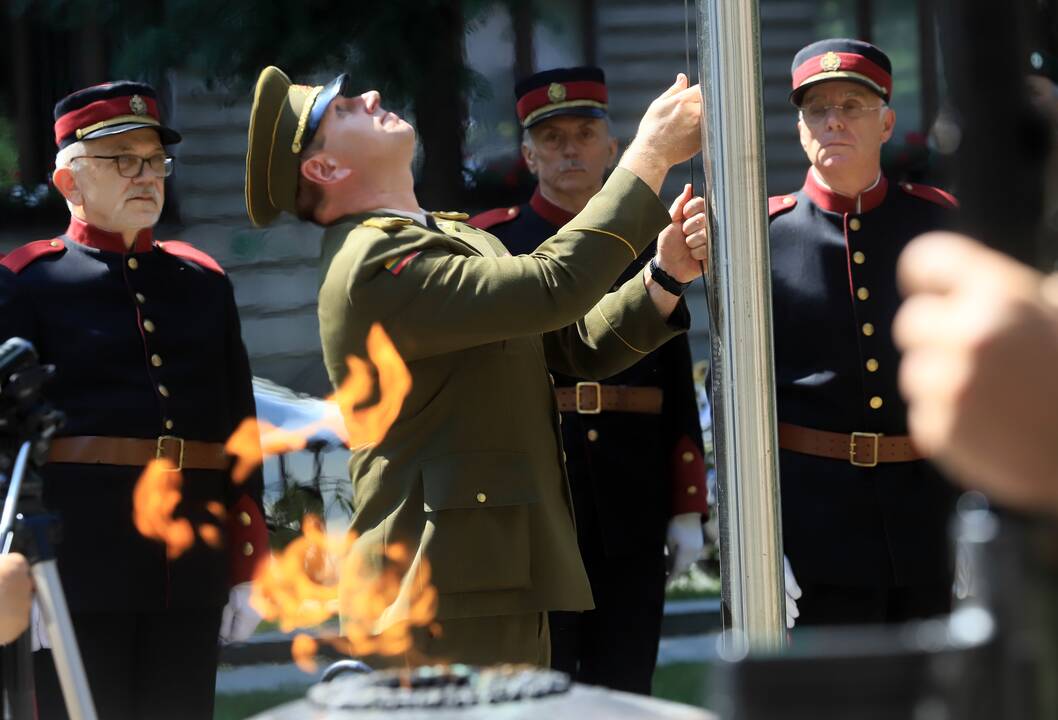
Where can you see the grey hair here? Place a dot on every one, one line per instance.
(64, 157)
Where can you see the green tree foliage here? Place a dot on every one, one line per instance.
(411, 50)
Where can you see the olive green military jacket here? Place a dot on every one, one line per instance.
(471, 475)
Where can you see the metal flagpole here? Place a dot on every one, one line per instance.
(743, 374)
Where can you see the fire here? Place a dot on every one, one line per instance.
(318, 576)
(154, 500)
(303, 650)
(357, 426)
(256, 439)
(366, 426)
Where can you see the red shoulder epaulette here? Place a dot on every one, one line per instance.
(932, 194)
(485, 220)
(778, 203)
(192, 253)
(19, 259)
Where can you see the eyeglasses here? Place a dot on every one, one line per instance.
(816, 113)
(131, 166)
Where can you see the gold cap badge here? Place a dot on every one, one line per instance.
(137, 105)
(830, 62)
(556, 92)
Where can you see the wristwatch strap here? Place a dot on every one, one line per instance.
(668, 283)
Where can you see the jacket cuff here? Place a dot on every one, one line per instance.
(688, 479)
(247, 540)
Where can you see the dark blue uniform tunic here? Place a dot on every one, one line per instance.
(629, 473)
(834, 294)
(145, 343)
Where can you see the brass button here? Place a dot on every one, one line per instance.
(593, 435)
(247, 549)
(482, 497)
(868, 329)
(163, 391)
(140, 298)
(863, 293)
(512, 210)
(133, 263)
(854, 224)
(787, 200)
(872, 365)
(859, 258)
(688, 457)
(244, 519)
(876, 402)
(168, 424)
(148, 326)
(692, 490)
(156, 360)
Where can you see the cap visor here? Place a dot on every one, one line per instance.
(168, 136)
(796, 95)
(579, 111)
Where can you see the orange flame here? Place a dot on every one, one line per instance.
(357, 426)
(303, 650)
(318, 576)
(154, 500)
(366, 426)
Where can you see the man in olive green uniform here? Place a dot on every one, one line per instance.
(470, 477)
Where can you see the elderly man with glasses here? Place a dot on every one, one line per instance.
(865, 518)
(149, 363)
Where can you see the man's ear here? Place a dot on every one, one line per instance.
(66, 183)
(529, 156)
(612, 161)
(888, 123)
(323, 169)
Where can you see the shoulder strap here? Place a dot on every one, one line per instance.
(18, 260)
(186, 251)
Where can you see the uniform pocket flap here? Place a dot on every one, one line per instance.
(477, 480)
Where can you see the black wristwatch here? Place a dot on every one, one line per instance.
(667, 282)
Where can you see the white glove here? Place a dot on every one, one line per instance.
(685, 540)
(239, 619)
(793, 593)
(38, 633)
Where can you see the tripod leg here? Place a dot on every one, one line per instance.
(19, 701)
(68, 665)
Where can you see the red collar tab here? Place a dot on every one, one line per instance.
(833, 201)
(84, 234)
(548, 210)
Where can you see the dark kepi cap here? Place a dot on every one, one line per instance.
(562, 91)
(283, 120)
(841, 59)
(109, 109)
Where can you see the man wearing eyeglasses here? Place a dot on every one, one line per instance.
(865, 519)
(149, 361)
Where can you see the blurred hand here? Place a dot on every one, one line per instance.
(979, 333)
(668, 134)
(239, 619)
(685, 541)
(16, 596)
(684, 244)
(793, 594)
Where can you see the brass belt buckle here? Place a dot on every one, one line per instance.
(852, 449)
(598, 398)
(160, 453)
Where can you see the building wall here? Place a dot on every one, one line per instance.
(275, 271)
(642, 45)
